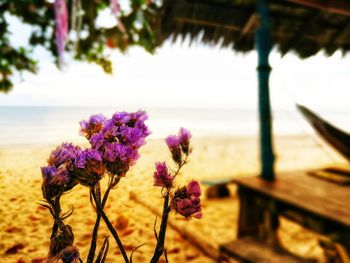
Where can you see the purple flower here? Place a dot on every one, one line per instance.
(53, 179)
(89, 167)
(110, 130)
(61, 176)
(97, 141)
(59, 170)
(139, 116)
(64, 153)
(119, 157)
(184, 135)
(92, 126)
(58, 176)
(113, 151)
(79, 161)
(132, 136)
(137, 120)
(173, 143)
(161, 176)
(119, 152)
(121, 118)
(186, 201)
(184, 138)
(48, 172)
(117, 139)
(70, 254)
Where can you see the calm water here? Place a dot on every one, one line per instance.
(31, 125)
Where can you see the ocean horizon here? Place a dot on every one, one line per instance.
(21, 125)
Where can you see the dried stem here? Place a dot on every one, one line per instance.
(161, 237)
(110, 227)
(111, 183)
(92, 249)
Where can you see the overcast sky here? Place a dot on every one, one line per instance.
(182, 76)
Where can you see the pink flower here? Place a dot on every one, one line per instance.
(115, 7)
(184, 135)
(61, 19)
(189, 208)
(173, 143)
(161, 176)
(193, 189)
(184, 138)
(116, 10)
(186, 201)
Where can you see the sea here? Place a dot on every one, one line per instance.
(53, 125)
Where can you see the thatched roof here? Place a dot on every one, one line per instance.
(305, 27)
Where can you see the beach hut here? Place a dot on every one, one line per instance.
(304, 27)
(300, 26)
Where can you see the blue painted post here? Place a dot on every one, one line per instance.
(263, 47)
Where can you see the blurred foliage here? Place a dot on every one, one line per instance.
(139, 22)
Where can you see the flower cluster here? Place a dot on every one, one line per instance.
(179, 144)
(114, 148)
(117, 139)
(115, 145)
(186, 200)
(58, 176)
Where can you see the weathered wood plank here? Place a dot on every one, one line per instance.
(325, 199)
(251, 250)
(331, 176)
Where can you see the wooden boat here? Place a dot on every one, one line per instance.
(339, 139)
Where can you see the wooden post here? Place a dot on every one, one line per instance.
(263, 46)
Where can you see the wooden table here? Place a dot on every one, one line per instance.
(314, 203)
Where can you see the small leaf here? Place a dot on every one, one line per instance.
(101, 257)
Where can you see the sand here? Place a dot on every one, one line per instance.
(25, 227)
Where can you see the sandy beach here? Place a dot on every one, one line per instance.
(25, 226)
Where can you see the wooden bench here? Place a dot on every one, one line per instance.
(217, 188)
(316, 204)
(249, 249)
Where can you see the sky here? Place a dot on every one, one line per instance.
(179, 75)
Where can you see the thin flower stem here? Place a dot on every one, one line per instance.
(92, 249)
(180, 166)
(110, 227)
(58, 224)
(161, 237)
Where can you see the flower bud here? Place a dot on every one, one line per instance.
(184, 137)
(161, 176)
(173, 143)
